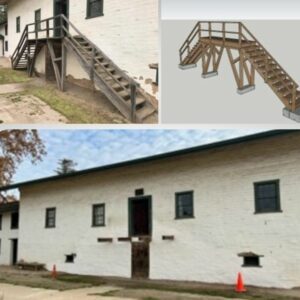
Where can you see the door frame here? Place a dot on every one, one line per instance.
(14, 243)
(68, 8)
(139, 198)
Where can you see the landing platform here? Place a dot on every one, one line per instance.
(227, 42)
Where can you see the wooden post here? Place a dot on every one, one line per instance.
(240, 34)
(224, 32)
(63, 65)
(199, 29)
(209, 29)
(92, 65)
(241, 70)
(47, 25)
(294, 95)
(133, 101)
(252, 75)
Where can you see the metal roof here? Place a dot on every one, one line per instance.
(234, 141)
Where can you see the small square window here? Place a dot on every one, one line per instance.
(14, 224)
(50, 217)
(94, 8)
(184, 205)
(267, 196)
(139, 192)
(70, 258)
(98, 218)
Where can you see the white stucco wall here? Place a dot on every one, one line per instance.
(6, 234)
(127, 33)
(205, 247)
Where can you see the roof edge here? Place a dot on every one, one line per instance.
(238, 140)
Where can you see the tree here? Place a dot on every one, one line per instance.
(65, 166)
(15, 146)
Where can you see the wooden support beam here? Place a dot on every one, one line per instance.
(55, 66)
(63, 66)
(235, 72)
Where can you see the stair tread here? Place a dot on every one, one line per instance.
(145, 111)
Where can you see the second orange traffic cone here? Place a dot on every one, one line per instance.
(240, 288)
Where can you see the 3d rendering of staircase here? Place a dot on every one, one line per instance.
(123, 91)
(207, 42)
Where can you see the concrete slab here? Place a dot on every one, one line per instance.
(11, 88)
(246, 89)
(295, 116)
(186, 67)
(209, 74)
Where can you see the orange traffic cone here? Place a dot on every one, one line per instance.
(240, 288)
(54, 273)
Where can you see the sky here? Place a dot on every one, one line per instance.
(92, 148)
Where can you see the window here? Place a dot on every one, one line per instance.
(18, 24)
(139, 192)
(50, 217)
(251, 261)
(0, 246)
(98, 215)
(0, 222)
(37, 18)
(267, 196)
(94, 8)
(184, 205)
(70, 258)
(6, 46)
(6, 29)
(14, 220)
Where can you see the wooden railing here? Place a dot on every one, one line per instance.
(238, 31)
(59, 27)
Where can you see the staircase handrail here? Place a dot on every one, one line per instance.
(23, 38)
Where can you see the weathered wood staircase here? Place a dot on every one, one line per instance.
(208, 40)
(123, 91)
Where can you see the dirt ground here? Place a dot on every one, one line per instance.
(67, 285)
(24, 100)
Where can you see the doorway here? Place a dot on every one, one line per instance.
(140, 225)
(61, 7)
(14, 251)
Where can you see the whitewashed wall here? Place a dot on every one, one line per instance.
(127, 33)
(206, 247)
(6, 234)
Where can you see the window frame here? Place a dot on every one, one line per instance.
(100, 14)
(11, 220)
(18, 24)
(177, 195)
(49, 209)
(94, 207)
(277, 191)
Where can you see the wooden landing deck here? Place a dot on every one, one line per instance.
(226, 42)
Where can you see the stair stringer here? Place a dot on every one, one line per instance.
(117, 101)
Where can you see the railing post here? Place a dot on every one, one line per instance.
(294, 95)
(199, 25)
(209, 30)
(47, 28)
(224, 31)
(133, 101)
(61, 27)
(92, 64)
(240, 34)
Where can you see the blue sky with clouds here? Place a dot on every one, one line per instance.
(91, 148)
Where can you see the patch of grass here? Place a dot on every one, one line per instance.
(81, 279)
(106, 294)
(12, 76)
(150, 298)
(74, 112)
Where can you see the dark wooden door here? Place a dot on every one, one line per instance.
(140, 259)
(61, 7)
(14, 251)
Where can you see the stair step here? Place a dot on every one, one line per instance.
(124, 94)
(118, 87)
(279, 84)
(145, 111)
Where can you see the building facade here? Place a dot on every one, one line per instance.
(201, 214)
(126, 32)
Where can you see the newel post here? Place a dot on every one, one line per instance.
(133, 101)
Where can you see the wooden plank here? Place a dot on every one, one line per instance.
(55, 67)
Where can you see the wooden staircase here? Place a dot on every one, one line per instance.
(123, 91)
(207, 42)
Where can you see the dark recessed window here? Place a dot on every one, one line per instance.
(50, 217)
(98, 215)
(18, 24)
(139, 192)
(0, 222)
(6, 46)
(94, 8)
(6, 29)
(70, 258)
(184, 205)
(251, 261)
(14, 221)
(267, 196)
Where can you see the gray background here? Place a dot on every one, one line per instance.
(188, 98)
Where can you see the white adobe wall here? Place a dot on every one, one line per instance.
(206, 247)
(127, 33)
(6, 234)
